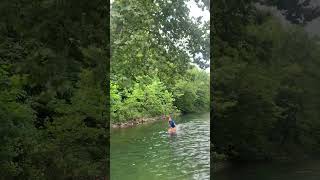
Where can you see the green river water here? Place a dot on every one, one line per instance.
(147, 152)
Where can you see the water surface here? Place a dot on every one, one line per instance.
(147, 152)
(299, 170)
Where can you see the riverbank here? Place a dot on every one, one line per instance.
(135, 122)
(139, 121)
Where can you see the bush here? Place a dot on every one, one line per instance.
(147, 98)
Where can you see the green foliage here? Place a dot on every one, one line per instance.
(297, 12)
(53, 98)
(264, 87)
(151, 47)
(147, 98)
(17, 130)
(77, 131)
(192, 93)
(150, 97)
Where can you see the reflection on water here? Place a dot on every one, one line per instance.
(148, 152)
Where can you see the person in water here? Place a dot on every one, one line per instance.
(172, 126)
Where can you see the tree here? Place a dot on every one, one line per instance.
(153, 44)
(49, 54)
(264, 86)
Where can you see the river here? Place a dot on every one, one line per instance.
(299, 170)
(147, 152)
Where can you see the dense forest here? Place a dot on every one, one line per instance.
(53, 89)
(156, 50)
(265, 81)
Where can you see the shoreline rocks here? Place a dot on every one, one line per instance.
(138, 121)
(135, 122)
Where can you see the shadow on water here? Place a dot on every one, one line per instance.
(149, 152)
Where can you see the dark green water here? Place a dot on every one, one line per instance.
(147, 152)
(302, 170)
